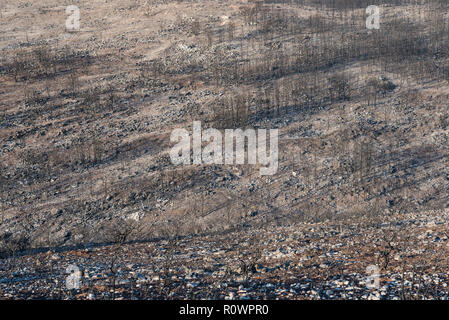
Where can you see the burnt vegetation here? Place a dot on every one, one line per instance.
(363, 117)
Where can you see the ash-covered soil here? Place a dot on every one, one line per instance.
(296, 261)
(85, 125)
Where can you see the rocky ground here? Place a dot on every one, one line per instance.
(295, 261)
(85, 124)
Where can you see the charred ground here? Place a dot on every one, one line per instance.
(86, 118)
